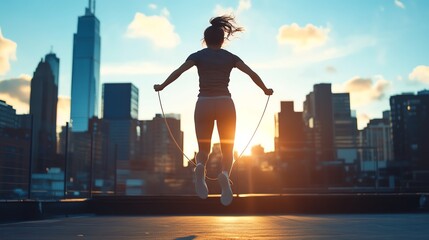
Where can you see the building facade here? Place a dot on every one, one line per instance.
(410, 129)
(15, 142)
(319, 122)
(85, 70)
(159, 152)
(294, 153)
(120, 112)
(345, 125)
(377, 140)
(43, 109)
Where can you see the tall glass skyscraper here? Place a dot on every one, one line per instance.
(86, 70)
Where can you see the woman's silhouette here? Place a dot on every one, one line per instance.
(214, 102)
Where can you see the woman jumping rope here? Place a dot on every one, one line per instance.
(214, 102)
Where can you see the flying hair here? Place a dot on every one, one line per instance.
(221, 28)
(227, 24)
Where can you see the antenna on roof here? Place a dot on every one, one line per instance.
(91, 7)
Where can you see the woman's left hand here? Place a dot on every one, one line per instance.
(158, 87)
(269, 91)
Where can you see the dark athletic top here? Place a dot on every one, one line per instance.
(214, 68)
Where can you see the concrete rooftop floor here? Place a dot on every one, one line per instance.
(311, 226)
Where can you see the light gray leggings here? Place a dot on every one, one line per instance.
(207, 111)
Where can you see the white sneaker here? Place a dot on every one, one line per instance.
(200, 181)
(226, 197)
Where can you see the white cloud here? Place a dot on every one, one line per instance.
(16, 92)
(399, 4)
(157, 29)
(243, 5)
(298, 59)
(364, 90)
(420, 73)
(135, 68)
(7, 53)
(153, 6)
(302, 38)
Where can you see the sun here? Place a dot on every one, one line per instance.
(241, 141)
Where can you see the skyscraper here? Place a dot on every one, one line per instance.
(295, 157)
(345, 125)
(318, 117)
(120, 112)
(14, 153)
(120, 101)
(8, 117)
(290, 141)
(43, 108)
(377, 139)
(86, 70)
(410, 129)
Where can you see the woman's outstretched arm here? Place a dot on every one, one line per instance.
(254, 76)
(174, 75)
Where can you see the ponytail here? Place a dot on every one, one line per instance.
(215, 34)
(227, 24)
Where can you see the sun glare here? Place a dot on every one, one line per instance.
(241, 141)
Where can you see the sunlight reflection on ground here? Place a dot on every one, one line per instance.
(351, 226)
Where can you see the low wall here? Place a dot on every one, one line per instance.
(191, 205)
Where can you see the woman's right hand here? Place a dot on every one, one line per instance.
(158, 87)
(269, 91)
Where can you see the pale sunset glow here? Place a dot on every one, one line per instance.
(371, 49)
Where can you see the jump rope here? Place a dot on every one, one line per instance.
(189, 160)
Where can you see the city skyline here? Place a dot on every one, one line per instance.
(372, 50)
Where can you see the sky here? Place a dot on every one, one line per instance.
(371, 49)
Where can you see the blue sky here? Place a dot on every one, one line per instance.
(372, 49)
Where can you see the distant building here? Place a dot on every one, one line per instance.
(377, 139)
(103, 163)
(410, 129)
(43, 109)
(294, 152)
(85, 70)
(345, 125)
(120, 101)
(345, 135)
(159, 152)
(290, 139)
(120, 112)
(319, 121)
(8, 118)
(14, 153)
(78, 167)
(214, 162)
